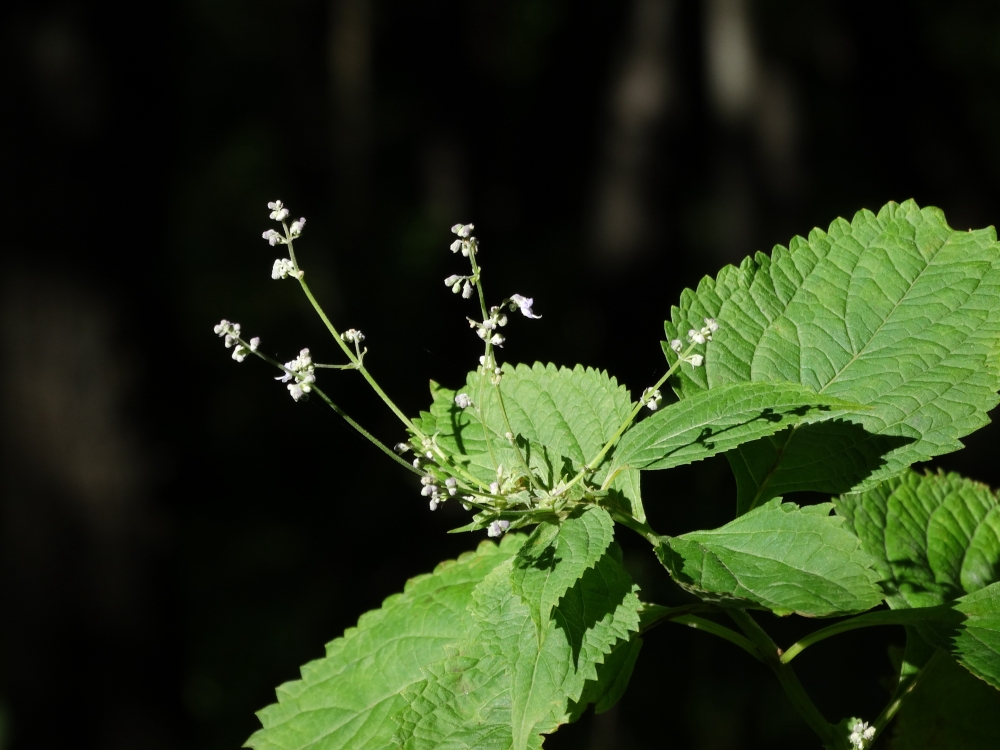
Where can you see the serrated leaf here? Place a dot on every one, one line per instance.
(562, 418)
(346, 699)
(934, 536)
(973, 637)
(505, 687)
(779, 557)
(555, 556)
(711, 422)
(949, 710)
(896, 311)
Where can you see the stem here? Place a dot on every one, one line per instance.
(903, 691)
(654, 614)
(367, 435)
(785, 674)
(596, 460)
(867, 620)
(358, 365)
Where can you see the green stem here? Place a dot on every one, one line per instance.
(358, 365)
(596, 460)
(867, 620)
(903, 691)
(785, 674)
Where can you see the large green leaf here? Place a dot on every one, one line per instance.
(346, 699)
(779, 557)
(561, 417)
(934, 536)
(504, 687)
(896, 311)
(718, 420)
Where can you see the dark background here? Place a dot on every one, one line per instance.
(176, 535)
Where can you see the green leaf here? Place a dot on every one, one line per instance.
(562, 419)
(504, 686)
(948, 710)
(896, 311)
(555, 557)
(934, 536)
(719, 420)
(973, 637)
(346, 699)
(779, 557)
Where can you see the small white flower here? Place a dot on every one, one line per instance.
(402, 448)
(677, 345)
(497, 528)
(434, 503)
(468, 247)
(463, 230)
(273, 238)
(455, 246)
(494, 488)
(240, 353)
(416, 462)
(298, 393)
(297, 226)
(254, 343)
(452, 484)
(696, 336)
(652, 398)
(352, 336)
(463, 401)
(497, 339)
(453, 280)
(466, 290)
(524, 303)
(282, 269)
(695, 360)
(278, 211)
(711, 324)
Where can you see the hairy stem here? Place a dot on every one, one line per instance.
(786, 675)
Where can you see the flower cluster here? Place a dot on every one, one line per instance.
(231, 332)
(465, 242)
(861, 735)
(497, 528)
(651, 398)
(352, 336)
(283, 268)
(488, 366)
(486, 330)
(300, 374)
(461, 284)
(696, 337)
(462, 401)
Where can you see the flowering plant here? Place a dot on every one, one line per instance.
(830, 366)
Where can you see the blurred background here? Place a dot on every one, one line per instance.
(176, 535)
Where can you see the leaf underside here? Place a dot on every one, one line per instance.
(778, 557)
(562, 419)
(896, 311)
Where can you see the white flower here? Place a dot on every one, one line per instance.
(352, 336)
(240, 352)
(497, 339)
(525, 303)
(862, 735)
(273, 238)
(695, 360)
(466, 290)
(254, 343)
(463, 401)
(455, 246)
(402, 448)
(494, 488)
(652, 398)
(462, 230)
(298, 393)
(302, 372)
(696, 336)
(297, 226)
(453, 280)
(497, 528)
(711, 324)
(282, 269)
(278, 210)
(452, 484)
(433, 503)
(677, 345)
